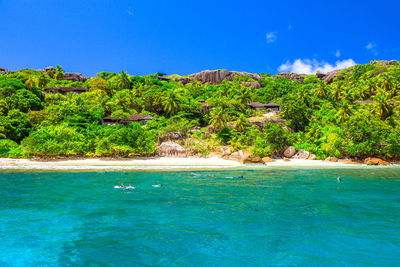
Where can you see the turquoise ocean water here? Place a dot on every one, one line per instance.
(272, 217)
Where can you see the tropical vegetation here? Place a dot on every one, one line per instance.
(355, 115)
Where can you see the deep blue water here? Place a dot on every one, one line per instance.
(271, 218)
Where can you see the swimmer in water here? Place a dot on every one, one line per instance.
(339, 179)
(119, 186)
(130, 187)
(241, 177)
(156, 185)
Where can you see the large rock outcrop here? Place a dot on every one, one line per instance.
(289, 152)
(225, 151)
(237, 156)
(375, 161)
(73, 76)
(291, 76)
(255, 85)
(216, 76)
(253, 159)
(331, 75)
(384, 62)
(301, 154)
(171, 149)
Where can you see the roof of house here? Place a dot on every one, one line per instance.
(272, 104)
(261, 105)
(67, 89)
(256, 104)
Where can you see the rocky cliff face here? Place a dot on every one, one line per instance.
(73, 76)
(171, 149)
(291, 76)
(216, 76)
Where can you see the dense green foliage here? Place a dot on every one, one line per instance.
(325, 119)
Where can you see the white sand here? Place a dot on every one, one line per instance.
(152, 164)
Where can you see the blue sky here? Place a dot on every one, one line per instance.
(183, 37)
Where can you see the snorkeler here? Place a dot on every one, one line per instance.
(129, 187)
(119, 186)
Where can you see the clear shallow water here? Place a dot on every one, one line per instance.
(272, 217)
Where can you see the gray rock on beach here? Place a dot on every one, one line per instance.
(171, 149)
(289, 152)
(225, 151)
(312, 157)
(301, 154)
(237, 156)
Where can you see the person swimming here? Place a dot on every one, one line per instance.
(339, 179)
(120, 186)
(156, 185)
(129, 187)
(240, 177)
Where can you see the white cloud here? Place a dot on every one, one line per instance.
(338, 54)
(372, 48)
(129, 12)
(307, 66)
(271, 37)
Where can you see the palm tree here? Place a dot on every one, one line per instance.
(218, 118)
(171, 101)
(36, 81)
(244, 96)
(343, 113)
(123, 81)
(382, 99)
(58, 73)
(241, 123)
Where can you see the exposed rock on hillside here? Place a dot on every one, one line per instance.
(76, 77)
(171, 149)
(216, 76)
(331, 75)
(256, 85)
(291, 76)
(385, 62)
(47, 69)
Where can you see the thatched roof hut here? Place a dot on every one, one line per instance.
(65, 90)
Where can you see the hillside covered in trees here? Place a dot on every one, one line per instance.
(348, 113)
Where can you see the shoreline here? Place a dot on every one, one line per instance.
(161, 163)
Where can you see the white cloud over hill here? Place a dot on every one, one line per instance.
(307, 66)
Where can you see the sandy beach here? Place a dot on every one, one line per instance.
(152, 163)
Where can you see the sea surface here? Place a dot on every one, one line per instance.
(271, 217)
